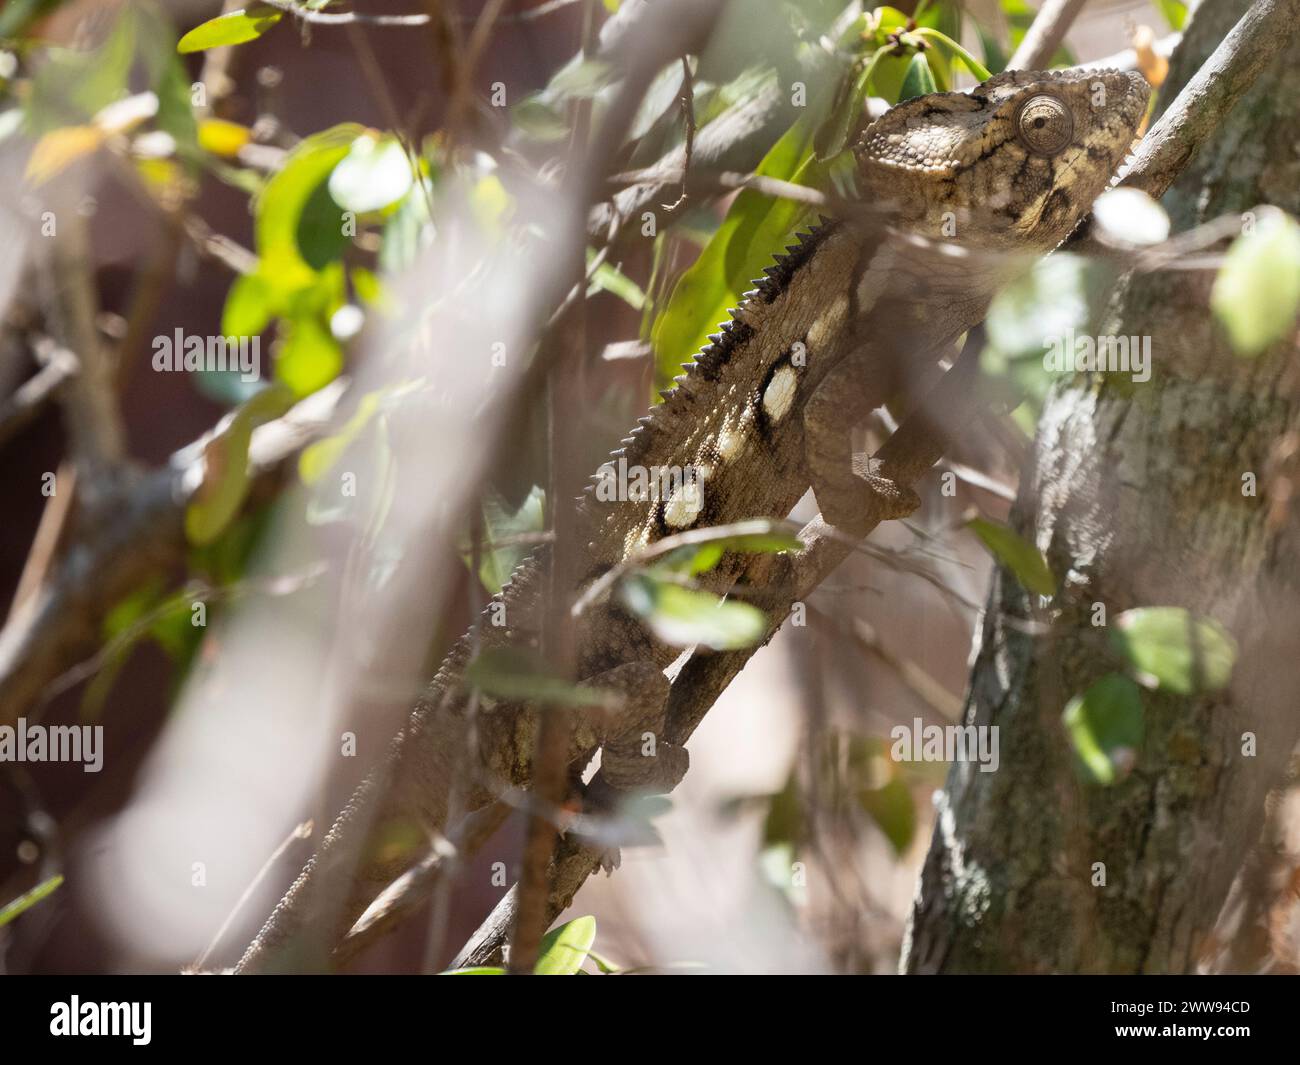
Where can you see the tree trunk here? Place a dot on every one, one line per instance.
(1138, 496)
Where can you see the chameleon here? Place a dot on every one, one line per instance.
(852, 314)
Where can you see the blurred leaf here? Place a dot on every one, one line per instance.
(73, 85)
(490, 203)
(919, 81)
(608, 278)
(23, 903)
(1257, 292)
(1172, 650)
(59, 149)
(995, 57)
(408, 230)
(476, 970)
(295, 208)
(376, 172)
(16, 14)
(539, 120)
(893, 811)
(316, 459)
(785, 817)
(309, 357)
(1106, 725)
(225, 456)
(1175, 13)
(500, 524)
(833, 134)
(234, 28)
(513, 673)
(247, 311)
(564, 949)
(223, 138)
(1049, 301)
(1017, 554)
(683, 617)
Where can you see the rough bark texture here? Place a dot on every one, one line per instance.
(1136, 498)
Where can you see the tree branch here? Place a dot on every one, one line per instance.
(1045, 35)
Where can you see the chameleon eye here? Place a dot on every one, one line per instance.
(1045, 125)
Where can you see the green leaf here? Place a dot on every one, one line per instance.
(1257, 292)
(282, 221)
(225, 456)
(310, 357)
(833, 134)
(316, 459)
(564, 949)
(919, 80)
(1106, 725)
(1175, 13)
(500, 523)
(699, 558)
(1017, 554)
(234, 28)
(784, 823)
(408, 230)
(1050, 301)
(891, 808)
(683, 617)
(248, 307)
(476, 970)
(972, 64)
(26, 901)
(512, 673)
(376, 172)
(608, 278)
(1173, 650)
(539, 120)
(738, 252)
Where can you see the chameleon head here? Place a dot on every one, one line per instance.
(1014, 163)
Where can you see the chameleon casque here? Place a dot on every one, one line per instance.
(1006, 171)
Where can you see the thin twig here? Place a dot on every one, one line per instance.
(688, 117)
(1045, 35)
(302, 831)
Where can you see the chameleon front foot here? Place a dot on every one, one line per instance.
(865, 498)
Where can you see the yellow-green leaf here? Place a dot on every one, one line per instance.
(225, 457)
(236, 27)
(564, 949)
(1257, 292)
(1173, 650)
(1017, 554)
(683, 617)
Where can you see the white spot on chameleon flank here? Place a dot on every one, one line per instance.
(685, 504)
(829, 324)
(731, 441)
(779, 396)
